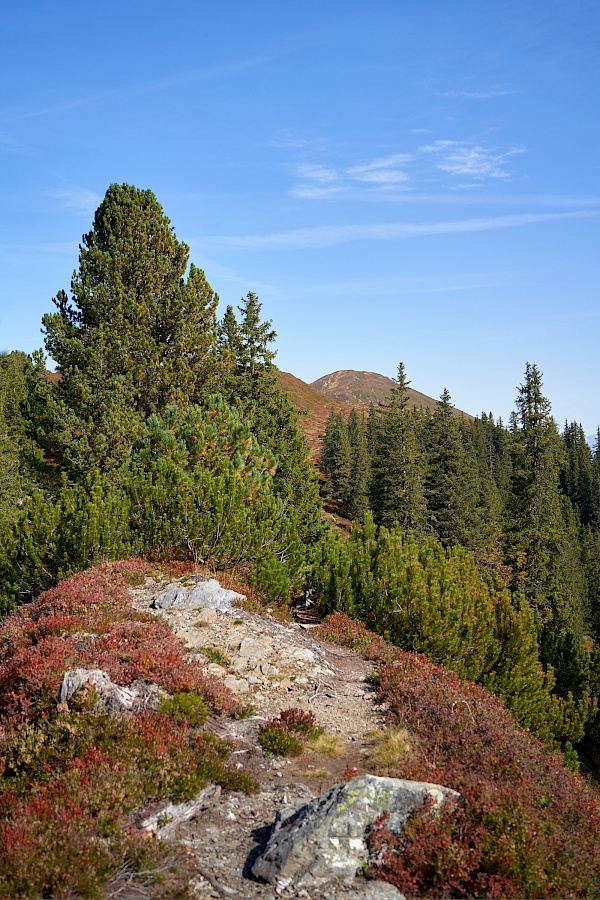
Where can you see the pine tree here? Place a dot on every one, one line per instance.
(134, 336)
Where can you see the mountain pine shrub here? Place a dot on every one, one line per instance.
(430, 599)
(196, 486)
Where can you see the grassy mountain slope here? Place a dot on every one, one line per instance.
(368, 387)
(314, 407)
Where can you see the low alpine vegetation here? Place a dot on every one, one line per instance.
(286, 734)
(525, 825)
(70, 776)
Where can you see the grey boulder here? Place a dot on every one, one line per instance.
(204, 595)
(327, 837)
(113, 698)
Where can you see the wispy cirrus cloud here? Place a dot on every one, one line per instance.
(324, 236)
(477, 95)
(441, 161)
(471, 160)
(387, 171)
(380, 174)
(78, 199)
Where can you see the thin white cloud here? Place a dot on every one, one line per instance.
(316, 192)
(384, 177)
(381, 164)
(476, 95)
(391, 176)
(388, 171)
(382, 173)
(472, 160)
(80, 200)
(317, 173)
(319, 237)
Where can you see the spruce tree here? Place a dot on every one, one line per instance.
(452, 486)
(134, 336)
(542, 533)
(539, 540)
(577, 472)
(397, 482)
(595, 485)
(247, 341)
(357, 502)
(19, 455)
(337, 458)
(251, 385)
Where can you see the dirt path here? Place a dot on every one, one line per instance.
(272, 667)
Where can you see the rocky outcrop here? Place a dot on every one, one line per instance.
(113, 698)
(207, 593)
(327, 837)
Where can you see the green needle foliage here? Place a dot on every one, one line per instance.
(197, 485)
(451, 486)
(398, 468)
(251, 385)
(135, 336)
(430, 599)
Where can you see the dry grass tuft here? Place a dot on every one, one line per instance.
(311, 773)
(328, 745)
(391, 747)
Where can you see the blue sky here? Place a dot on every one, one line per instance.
(396, 180)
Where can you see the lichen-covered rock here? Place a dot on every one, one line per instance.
(327, 837)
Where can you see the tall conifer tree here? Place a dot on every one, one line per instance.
(452, 486)
(540, 528)
(397, 484)
(357, 502)
(251, 385)
(134, 336)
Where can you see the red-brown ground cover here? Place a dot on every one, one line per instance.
(69, 777)
(525, 825)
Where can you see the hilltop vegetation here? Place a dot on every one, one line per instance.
(360, 388)
(165, 434)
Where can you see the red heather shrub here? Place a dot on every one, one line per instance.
(525, 825)
(343, 630)
(67, 832)
(69, 777)
(88, 622)
(298, 721)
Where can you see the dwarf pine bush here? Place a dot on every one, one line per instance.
(433, 600)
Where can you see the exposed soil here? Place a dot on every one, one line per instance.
(272, 667)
